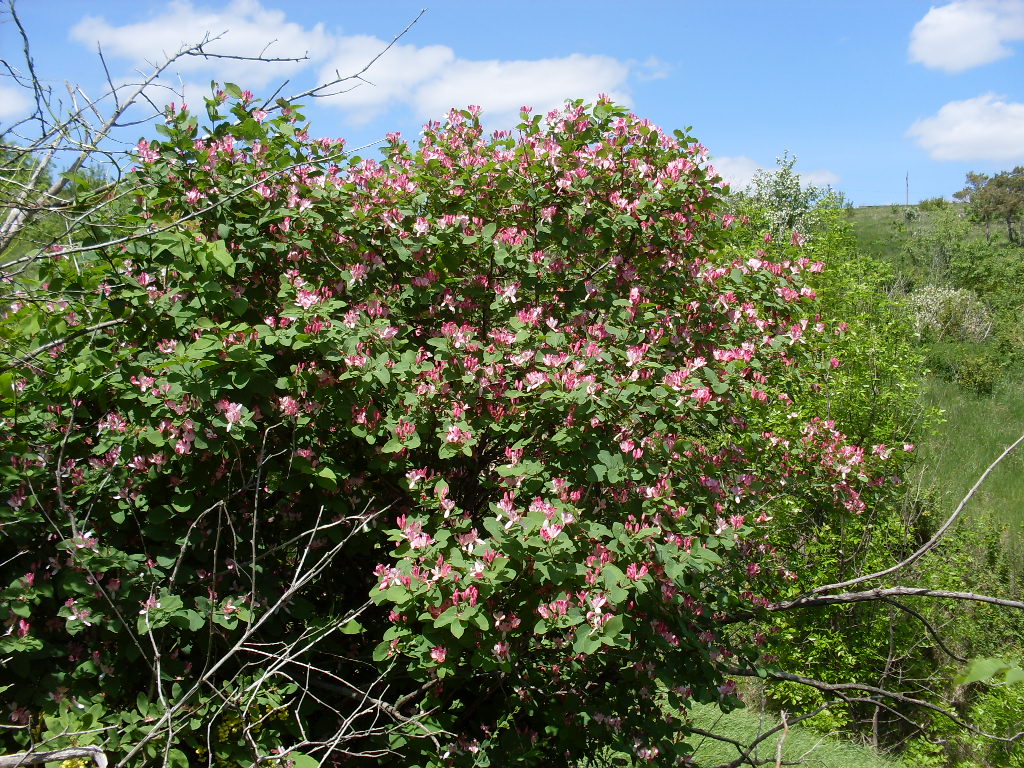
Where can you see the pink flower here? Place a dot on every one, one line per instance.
(306, 299)
(549, 530)
(404, 430)
(16, 499)
(505, 623)
(501, 650)
(702, 395)
(115, 422)
(457, 435)
(289, 406)
(146, 154)
(232, 412)
(636, 571)
(439, 653)
(150, 603)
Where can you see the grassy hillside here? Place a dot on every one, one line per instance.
(975, 428)
(881, 230)
(974, 431)
(800, 745)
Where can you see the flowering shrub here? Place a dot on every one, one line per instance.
(949, 314)
(474, 453)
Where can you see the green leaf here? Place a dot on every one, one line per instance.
(352, 627)
(1013, 675)
(393, 445)
(382, 651)
(586, 641)
(981, 670)
(611, 630)
(326, 478)
(447, 617)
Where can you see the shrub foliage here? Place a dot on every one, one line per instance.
(480, 452)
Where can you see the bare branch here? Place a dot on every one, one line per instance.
(885, 592)
(321, 91)
(879, 697)
(64, 339)
(934, 540)
(53, 755)
(927, 625)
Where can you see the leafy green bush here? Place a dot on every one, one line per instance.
(979, 370)
(1001, 708)
(933, 204)
(487, 451)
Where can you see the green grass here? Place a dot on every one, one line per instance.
(882, 230)
(975, 431)
(808, 746)
(804, 745)
(875, 228)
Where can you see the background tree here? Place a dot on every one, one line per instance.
(999, 197)
(779, 201)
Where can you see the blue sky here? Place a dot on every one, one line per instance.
(862, 92)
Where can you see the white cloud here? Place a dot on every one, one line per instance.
(428, 79)
(248, 30)
(653, 68)
(967, 33)
(14, 103)
(984, 128)
(393, 78)
(739, 171)
(433, 79)
(502, 87)
(819, 178)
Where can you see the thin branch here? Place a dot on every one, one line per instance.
(319, 91)
(927, 625)
(746, 750)
(150, 230)
(64, 339)
(879, 697)
(934, 540)
(53, 755)
(299, 581)
(881, 593)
